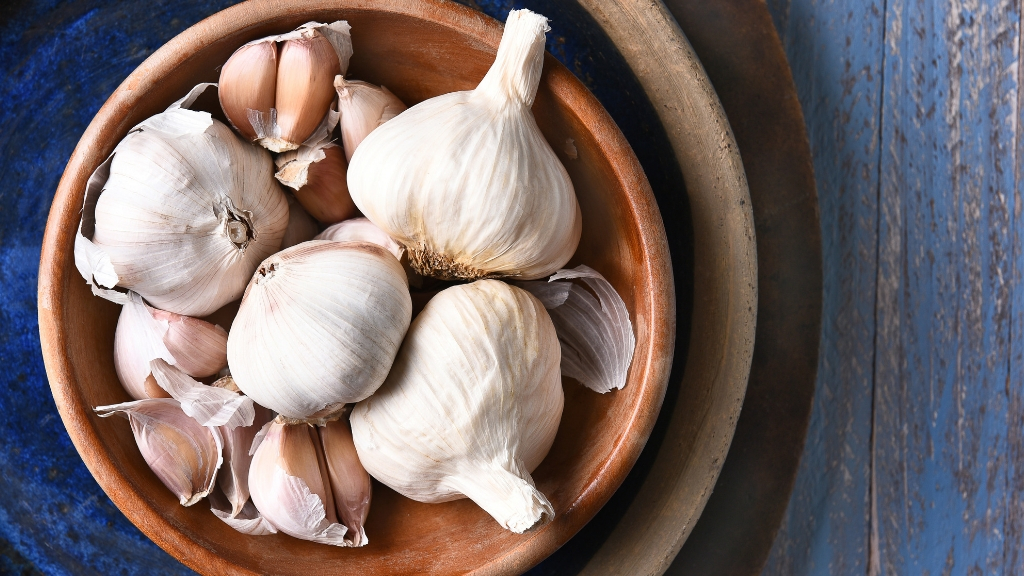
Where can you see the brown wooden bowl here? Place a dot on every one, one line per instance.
(418, 49)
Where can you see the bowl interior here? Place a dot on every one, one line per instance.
(418, 50)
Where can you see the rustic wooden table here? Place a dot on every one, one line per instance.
(912, 463)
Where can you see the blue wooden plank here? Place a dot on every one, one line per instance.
(1013, 524)
(944, 291)
(835, 50)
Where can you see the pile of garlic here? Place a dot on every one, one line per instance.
(416, 345)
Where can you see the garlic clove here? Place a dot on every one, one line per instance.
(199, 348)
(183, 454)
(301, 227)
(246, 520)
(319, 326)
(233, 479)
(138, 339)
(349, 481)
(595, 334)
(248, 81)
(363, 108)
(184, 214)
(508, 209)
(305, 89)
(319, 179)
(471, 405)
(209, 405)
(287, 484)
(361, 230)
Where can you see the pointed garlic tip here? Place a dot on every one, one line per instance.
(184, 455)
(233, 478)
(340, 311)
(200, 348)
(288, 484)
(301, 226)
(361, 230)
(305, 87)
(363, 108)
(349, 481)
(248, 81)
(595, 334)
(321, 184)
(515, 74)
(486, 352)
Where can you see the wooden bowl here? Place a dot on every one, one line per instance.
(418, 49)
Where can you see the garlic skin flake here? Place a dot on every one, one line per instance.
(363, 108)
(506, 208)
(182, 213)
(471, 406)
(319, 327)
(595, 334)
(184, 455)
(287, 481)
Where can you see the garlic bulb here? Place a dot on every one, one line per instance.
(471, 405)
(595, 334)
(361, 230)
(143, 334)
(505, 208)
(279, 95)
(363, 108)
(319, 177)
(319, 326)
(301, 226)
(184, 455)
(182, 213)
(349, 481)
(289, 486)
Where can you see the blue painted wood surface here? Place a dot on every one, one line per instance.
(913, 463)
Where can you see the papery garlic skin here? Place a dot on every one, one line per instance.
(288, 484)
(233, 478)
(185, 214)
(466, 181)
(471, 406)
(363, 108)
(184, 455)
(350, 483)
(318, 327)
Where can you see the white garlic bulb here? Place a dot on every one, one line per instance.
(319, 327)
(182, 213)
(471, 405)
(466, 181)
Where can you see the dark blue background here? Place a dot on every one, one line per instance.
(60, 63)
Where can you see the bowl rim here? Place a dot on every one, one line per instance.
(56, 270)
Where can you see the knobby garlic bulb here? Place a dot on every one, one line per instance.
(182, 213)
(277, 90)
(471, 405)
(319, 327)
(466, 181)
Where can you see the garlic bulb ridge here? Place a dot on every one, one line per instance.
(506, 209)
(182, 213)
(471, 405)
(319, 326)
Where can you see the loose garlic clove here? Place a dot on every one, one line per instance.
(508, 209)
(361, 230)
(471, 405)
(318, 328)
(248, 81)
(184, 455)
(363, 108)
(319, 178)
(277, 90)
(350, 483)
(288, 485)
(301, 226)
(144, 334)
(182, 213)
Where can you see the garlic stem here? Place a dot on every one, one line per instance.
(515, 74)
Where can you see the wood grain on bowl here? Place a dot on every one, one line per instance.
(418, 50)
